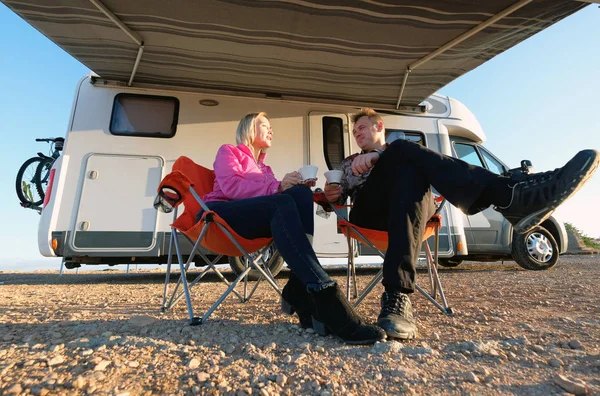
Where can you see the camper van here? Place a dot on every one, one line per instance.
(121, 141)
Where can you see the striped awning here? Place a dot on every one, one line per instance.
(343, 51)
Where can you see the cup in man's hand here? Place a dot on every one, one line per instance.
(334, 176)
(308, 173)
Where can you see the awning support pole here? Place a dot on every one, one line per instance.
(137, 63)
(458, 40)
(134, 35)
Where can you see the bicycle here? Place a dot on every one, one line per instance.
(32, 177)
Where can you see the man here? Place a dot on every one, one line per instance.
(389, 186)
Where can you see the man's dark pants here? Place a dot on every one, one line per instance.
(397, 198)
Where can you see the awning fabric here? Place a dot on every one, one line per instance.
(343, 51)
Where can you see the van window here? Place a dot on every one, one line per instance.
(492, 163)
(468, 153)
(395, 134)
(333, 141)
(144, 115)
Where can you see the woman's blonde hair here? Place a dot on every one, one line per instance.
(246, 130)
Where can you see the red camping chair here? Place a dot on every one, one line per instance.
(186, 184)
(378, 241)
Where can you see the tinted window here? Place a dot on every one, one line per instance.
(395, 134)
(468, 153)
(143, 115)
(492, 164)
(333, 141)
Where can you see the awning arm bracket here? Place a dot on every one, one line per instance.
(132, 34)
(457, 40)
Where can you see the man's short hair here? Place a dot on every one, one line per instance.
(366, 112)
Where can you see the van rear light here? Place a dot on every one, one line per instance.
(49, 189)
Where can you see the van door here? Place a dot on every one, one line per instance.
(485, 229)
(115, 214)
(329, 144)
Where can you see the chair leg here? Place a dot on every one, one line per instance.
(374, 282)
(168, 274)
(435, 282)
(193, 320)
(349, 279)
(224, 295)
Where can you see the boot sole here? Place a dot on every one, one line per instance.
(531, 221)
(401, 336)
(322, 330)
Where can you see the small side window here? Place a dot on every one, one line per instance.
(333, 141)
(395, 134)
(468, 153)
(144, 115)
(492, 164)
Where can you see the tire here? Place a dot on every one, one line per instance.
(26, 185)
(536, 250)
(237, 265)
(449, 262)
(42, 175)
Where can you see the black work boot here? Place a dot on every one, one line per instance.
(396, 316)
(334, 312)
(295, 298)
(536, 197)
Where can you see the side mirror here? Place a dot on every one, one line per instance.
(527, 166)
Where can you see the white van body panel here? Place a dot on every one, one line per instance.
(102, 200)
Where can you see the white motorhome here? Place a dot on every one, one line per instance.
(173, 78)
(122, 141)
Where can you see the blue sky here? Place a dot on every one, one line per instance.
(539, 100)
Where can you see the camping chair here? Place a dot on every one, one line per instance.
(186, 184)
(378, 241)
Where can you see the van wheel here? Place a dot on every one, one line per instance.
(449, 262)
(536, 250)
(237, 264)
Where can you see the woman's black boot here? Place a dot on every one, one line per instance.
(333, 312)
(295, 298)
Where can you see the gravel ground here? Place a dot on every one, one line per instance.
(513, 332)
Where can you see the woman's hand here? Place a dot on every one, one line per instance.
(290, 180)
(364, 162)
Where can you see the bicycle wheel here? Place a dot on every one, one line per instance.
(42, 174)
(25, 183)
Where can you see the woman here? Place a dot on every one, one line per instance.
(247, 195)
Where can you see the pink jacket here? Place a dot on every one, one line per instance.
(239, 176)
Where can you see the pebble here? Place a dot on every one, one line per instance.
(281, 379)
(575, 344)
(102, 365)
(571, 385)
(193, 363)
(202, 377)
(55, 361)
(555, 362)
(471, 377)
(16, 389)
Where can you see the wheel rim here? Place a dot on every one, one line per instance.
(28, 184)
(539, 247)
(266, 256)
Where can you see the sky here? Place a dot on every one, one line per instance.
(540, 100)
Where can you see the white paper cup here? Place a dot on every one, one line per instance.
(334, 176)
(308, 172)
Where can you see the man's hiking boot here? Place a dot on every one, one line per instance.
(396, 316)
(536, 196)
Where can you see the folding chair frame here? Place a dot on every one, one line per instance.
(432, 266)
(257, 263)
